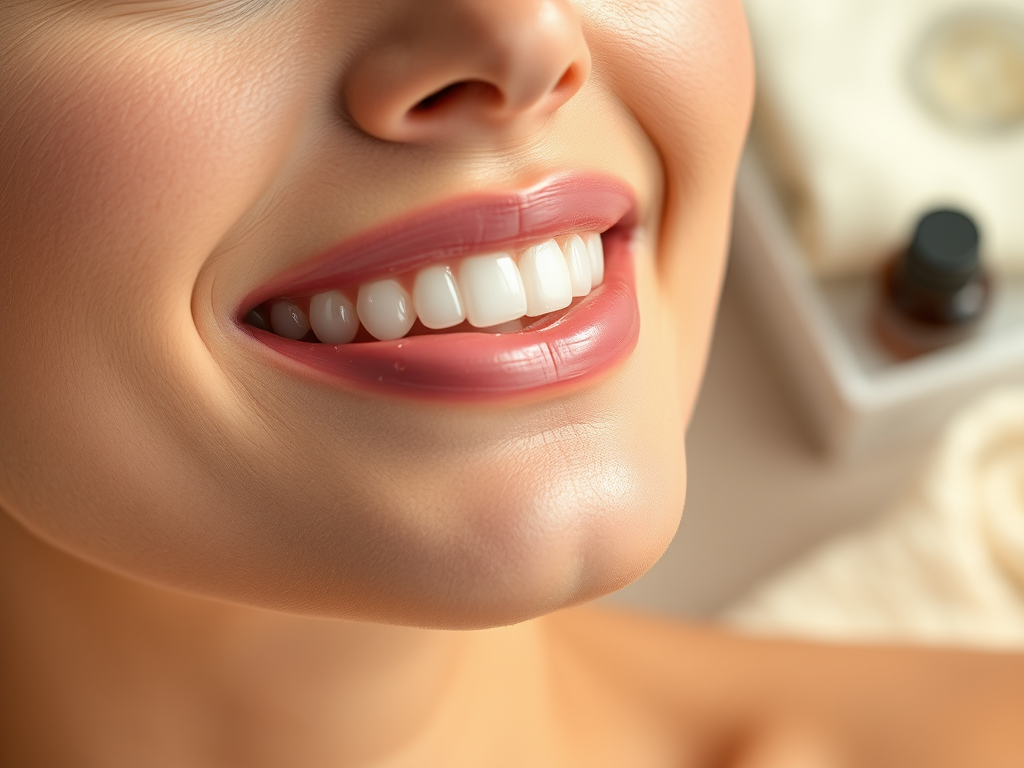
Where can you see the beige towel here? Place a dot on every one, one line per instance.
(946, 567)
(846, 123)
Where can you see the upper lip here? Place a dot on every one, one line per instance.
(562, 204)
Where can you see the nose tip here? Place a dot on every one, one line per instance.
(452, 68)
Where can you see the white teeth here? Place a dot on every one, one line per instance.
(545, 279)
(437, 299)
(385, 309)
(492, 289)
(288, 320)
(333, 317)
(596, 250)
(578, 260)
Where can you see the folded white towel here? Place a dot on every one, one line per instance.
(860, 151)
(946, 567)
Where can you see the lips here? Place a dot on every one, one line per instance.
(570, 345)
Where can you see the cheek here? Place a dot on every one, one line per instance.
(111, 158)
(685, 69)
(121, 174)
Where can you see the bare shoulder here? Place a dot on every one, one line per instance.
(876, 706)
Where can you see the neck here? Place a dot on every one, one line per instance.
(132, 674)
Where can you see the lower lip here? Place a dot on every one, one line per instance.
(585, 342)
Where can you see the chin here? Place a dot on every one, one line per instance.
(531, 554)
(490, 517)
(507, 561)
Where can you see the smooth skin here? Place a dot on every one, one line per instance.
(208, 560)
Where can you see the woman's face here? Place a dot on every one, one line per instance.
(168, 165)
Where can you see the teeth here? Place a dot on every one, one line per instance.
(545, 279)
(596, 250)
(333, 318)
(288, 320)
(492, 288)
(491, 291)
(578, 261)
(258, 317)
(385, 309)
(437, 299)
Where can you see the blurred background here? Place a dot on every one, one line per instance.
(861, 426)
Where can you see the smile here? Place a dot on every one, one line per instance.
(477, 298)
(484, 291)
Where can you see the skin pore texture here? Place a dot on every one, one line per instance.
(212, 557)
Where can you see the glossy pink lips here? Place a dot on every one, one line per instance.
(579, 343)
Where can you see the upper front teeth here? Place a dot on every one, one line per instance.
(493, 289)
(486, 290)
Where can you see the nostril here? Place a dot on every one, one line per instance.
(437, 98)
(464, 91)
(571, 81)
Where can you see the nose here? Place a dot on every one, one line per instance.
(448, 70)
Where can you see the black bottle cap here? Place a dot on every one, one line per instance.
(944, 253)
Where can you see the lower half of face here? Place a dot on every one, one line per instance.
(147, 428)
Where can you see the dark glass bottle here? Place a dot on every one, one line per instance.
(934, 293)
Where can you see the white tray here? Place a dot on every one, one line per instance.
(854, 397)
